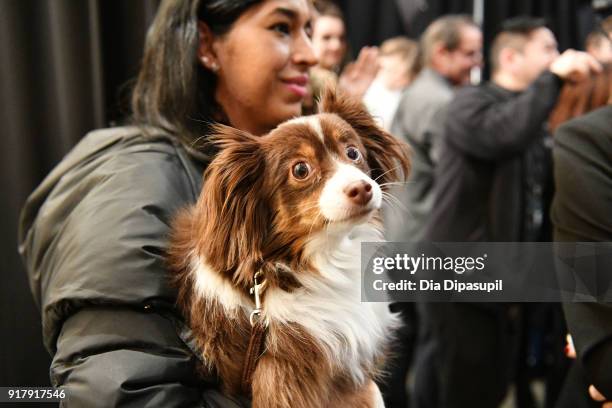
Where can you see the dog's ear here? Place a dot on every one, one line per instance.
(233, 207)
(388, 157)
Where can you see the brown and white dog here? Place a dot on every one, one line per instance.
(294, 204)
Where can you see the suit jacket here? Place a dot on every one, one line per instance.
(419, 121)
(582, 211)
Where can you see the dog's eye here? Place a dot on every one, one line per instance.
(301, 170)
(352, 153)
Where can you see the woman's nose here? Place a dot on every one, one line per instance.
(303, 53)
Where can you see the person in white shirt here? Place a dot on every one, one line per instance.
(397, 68)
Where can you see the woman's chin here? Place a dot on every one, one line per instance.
(291, 110)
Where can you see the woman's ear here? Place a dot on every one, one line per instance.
(388, 157)
(233, 205)
(206, 53)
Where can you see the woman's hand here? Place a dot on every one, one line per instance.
(357, 76)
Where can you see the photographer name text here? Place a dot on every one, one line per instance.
(448, 285)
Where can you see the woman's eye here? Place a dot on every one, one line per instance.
(352, 153)
(301, 170)
(282, 28)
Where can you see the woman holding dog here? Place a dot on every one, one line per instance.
(94, 233)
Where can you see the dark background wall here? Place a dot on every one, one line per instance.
(372, 21)
(65, 68)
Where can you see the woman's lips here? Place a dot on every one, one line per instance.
(298, 85)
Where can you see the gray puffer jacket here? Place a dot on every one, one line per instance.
(93, 237)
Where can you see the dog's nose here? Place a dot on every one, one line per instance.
(359, 192)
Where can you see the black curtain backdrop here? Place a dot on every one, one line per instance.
(65, 69)
(372, 21)
(64, 66)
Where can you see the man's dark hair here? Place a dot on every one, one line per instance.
(445, 30)
(523, 25)
(601, 33)
(173, 90)
(514, 33)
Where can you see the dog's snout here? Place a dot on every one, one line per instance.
(359, 192)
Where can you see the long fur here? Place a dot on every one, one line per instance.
(323, 346)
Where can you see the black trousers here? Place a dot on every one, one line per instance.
(466, 354)
(393, 383)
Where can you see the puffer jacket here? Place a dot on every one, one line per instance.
(93, 237)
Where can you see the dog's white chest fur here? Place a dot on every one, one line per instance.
(329, 307)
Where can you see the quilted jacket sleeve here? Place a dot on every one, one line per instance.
(93, 237)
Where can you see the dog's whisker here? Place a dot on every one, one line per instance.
(388, 171)
(309, 207)
(402, 209)
(313, 222)
(389, 195)
(390, 198)
(394, 205)
(301, 213)
(396, 183)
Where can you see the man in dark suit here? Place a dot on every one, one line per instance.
(582, 211)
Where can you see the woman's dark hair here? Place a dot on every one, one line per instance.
(173, 90)
(328, 8)
(578, 98)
